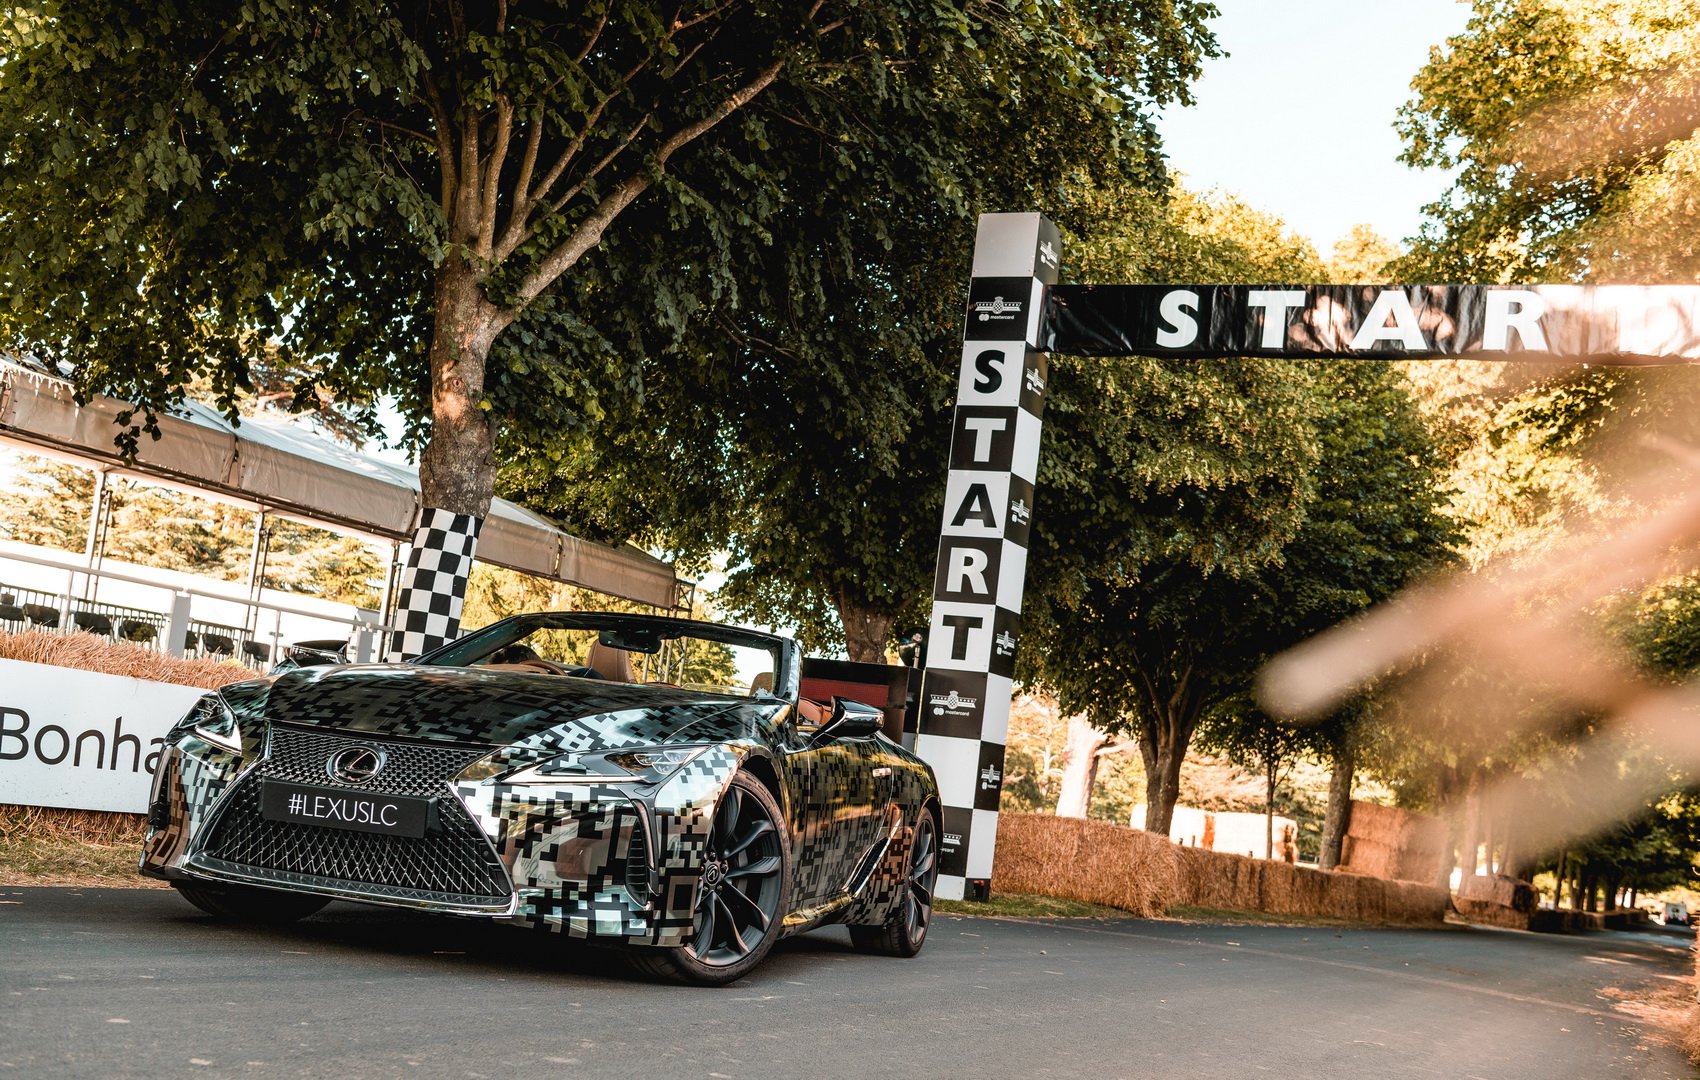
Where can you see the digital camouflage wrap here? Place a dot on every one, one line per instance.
(618, 858)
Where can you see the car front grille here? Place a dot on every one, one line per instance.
(452, 865)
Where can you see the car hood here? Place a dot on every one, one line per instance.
(487, 708)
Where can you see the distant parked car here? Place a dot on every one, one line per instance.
(1675, 913)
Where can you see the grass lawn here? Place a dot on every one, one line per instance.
(1030, 906)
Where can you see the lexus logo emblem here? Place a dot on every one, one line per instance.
(355, 765)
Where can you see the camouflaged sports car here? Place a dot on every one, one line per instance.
(635, 780)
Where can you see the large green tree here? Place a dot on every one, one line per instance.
(491, 210)
(801, 425)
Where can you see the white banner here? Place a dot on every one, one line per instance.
(82, 740)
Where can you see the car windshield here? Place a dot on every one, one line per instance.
(638, 650)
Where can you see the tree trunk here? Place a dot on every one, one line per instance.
(866, 631)
(1487, 814)
(1469, 847)
(1080, 767)
(1163, 751)
(1509, 861)
(457, 470)
(1558, 882)
(1269, 770)
(1339, 818)
(1446, 789)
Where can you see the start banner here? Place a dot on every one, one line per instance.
(1618, 324)
(82, 740)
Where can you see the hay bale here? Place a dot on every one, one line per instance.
(1084, 860)
(1691, 1022)
(86, 652)
(1301, 890)
(1216, 879)
(82, 826)
(1133, 870)
(1399, 845)
(1411, 902)
(1500, 889)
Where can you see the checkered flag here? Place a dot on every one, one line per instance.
(433, 585)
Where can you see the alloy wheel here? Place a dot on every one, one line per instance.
(738, 901)
(923, 872)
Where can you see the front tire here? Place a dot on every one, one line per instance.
(242, 903)
(905, 929)
(745, 884)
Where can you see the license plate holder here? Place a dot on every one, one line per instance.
(346, 808)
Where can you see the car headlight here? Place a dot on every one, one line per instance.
(212, 722)
(643, 765)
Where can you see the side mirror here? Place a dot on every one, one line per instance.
(850, 720)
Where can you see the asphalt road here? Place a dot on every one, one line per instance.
(133, 982)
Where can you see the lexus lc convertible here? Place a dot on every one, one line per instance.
(639, 781)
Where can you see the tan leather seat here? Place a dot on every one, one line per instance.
(612, 664)
(762, 682)
(812, 713)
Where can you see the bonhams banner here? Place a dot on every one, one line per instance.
(82, 740)
(1605, 323)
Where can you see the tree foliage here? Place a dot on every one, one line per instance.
(801, 425)
(1210, 573)
(493, 213)
(1572, 127)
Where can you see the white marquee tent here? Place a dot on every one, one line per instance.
(286, 468)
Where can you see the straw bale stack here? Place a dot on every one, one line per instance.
(1085, 860)
(1145, 874)
(85, 826)
(1499, 889)
(1216, 879)
(1386, 842)
(86, 652)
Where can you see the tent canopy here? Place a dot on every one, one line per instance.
(288, 468)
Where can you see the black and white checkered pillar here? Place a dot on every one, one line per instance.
(433, 584)
(994, 457)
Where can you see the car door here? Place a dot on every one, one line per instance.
(836, 806)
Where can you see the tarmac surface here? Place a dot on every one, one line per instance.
(135, 982)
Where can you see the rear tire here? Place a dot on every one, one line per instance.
(905, 929)
(745, 888)
(242, 903)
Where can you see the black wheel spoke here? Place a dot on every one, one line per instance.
(733, 937)
(760, 829)
(727, 818)
(921, 871)
(730, 894)
(759, 868)
(705, 937)
(922, 893)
